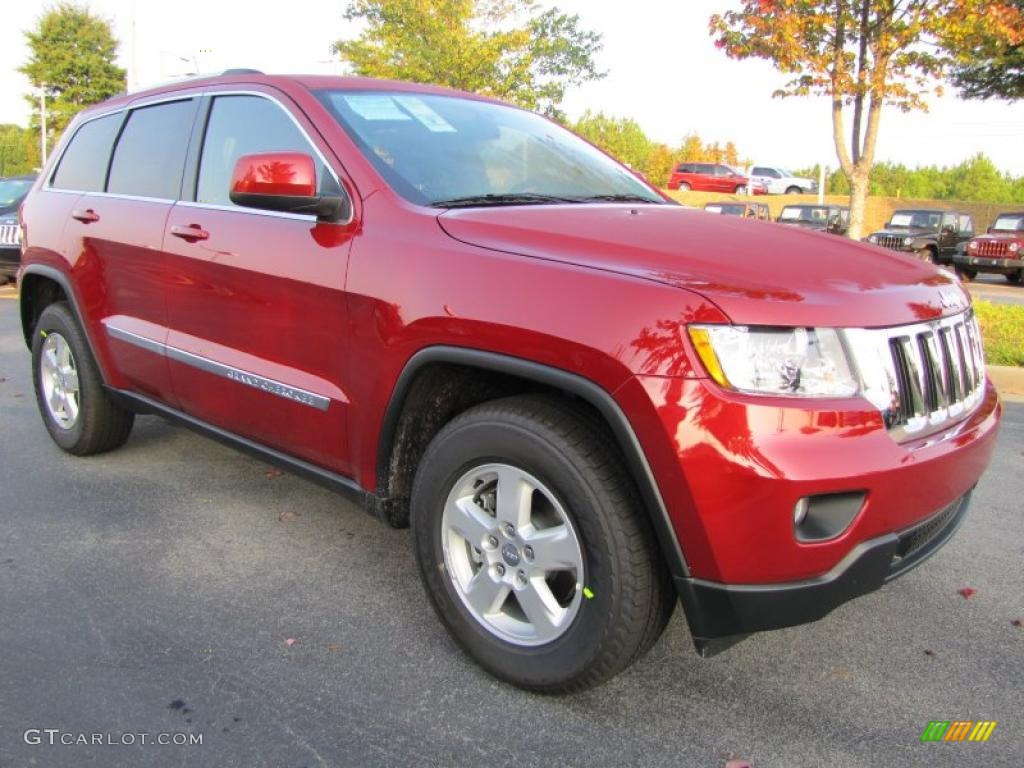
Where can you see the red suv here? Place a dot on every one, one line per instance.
(1000, 250)
(587, 401)
(712, 177)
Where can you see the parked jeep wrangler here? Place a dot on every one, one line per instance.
(1000, 251)
(820, 218)
(932, 235)
(744, 210)
(588, 402)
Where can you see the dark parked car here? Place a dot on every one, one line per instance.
(588, 403)
(746, 210)
(1001, 250)
(821, 218)
(712, 177)
(12, 191)
(932, 235)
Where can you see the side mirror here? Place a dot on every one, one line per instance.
(286, 182)
(988, 231)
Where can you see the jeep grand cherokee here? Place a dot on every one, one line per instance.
(588, 402)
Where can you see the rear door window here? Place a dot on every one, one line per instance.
(244, 125)
(150, 155)
(84, 165)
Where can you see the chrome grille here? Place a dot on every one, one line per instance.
(923, 378)
(990, 248)
(891, 241)
(10, 234)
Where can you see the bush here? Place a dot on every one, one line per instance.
(1002, 328)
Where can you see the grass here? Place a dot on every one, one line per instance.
(1002, 329)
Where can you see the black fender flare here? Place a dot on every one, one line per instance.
(587, 390)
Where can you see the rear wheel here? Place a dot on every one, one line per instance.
(534, 547)
(741, 189)
(684, 187)
(76, 410)
(967, 274)
(794, 191)
(1015, 277)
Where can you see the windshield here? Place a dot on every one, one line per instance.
(448, 150)
(916, 219)
(727, 209)
(1008, 224)
(803, 213)
(13, 190)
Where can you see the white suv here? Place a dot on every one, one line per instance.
(779, 181)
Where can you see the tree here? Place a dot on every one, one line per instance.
(19, 151)
(860, 54)
(991, 62)
(509, 49)
(71, 56)
(620, 137)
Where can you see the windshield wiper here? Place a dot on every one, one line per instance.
(511, 198)
(619, 198)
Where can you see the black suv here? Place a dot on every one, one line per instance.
(931, 234)
(12, 191)
(821, 218)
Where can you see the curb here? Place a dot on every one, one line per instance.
(1009, 380)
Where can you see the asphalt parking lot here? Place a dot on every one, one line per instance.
(996, 289)
(156, 590)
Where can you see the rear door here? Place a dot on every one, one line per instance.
(115, 234)
(258, 319)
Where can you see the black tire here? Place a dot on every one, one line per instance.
(741, 189)
(572, 455)
(794, 191)
(101, 425)
(927, 254)
(1015, 277)
(684, 187)
(4, 279)
(967, 275)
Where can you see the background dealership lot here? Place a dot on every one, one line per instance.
(154, 590)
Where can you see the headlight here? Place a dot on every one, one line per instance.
(908, 240)
(1014, 247)
(873, 239)
(972, 245)
(803, 362)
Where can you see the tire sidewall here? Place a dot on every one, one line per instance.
(487, 441)
(56, 319)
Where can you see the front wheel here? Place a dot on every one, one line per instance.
(967, 275)
(684, 187)
(76, 410)
(1015, 277)
(794, 191)
(533, 546)
(741, 189)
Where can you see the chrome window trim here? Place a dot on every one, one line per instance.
(213, 94)
(254, 380)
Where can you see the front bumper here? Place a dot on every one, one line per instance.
(10, 260)
(988, 264)
(718, 612)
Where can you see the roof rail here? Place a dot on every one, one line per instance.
(241, 71)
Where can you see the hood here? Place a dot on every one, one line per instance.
(1000, 237)
(905, 232)
(756, 272)
(815, 225)
(7, 211)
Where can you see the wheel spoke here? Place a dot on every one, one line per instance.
(471, 522)
(70, 379)
(56, 401)
(70, 406)
(540, 607)
(484, 594)
(63, 351)
(515, 496)
(554, 549)
(50, 360)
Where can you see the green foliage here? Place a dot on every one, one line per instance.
(621, 137)
(19, 151)
(1002, 330)
(991, 61)
(72, 52)
(974, 180)
(509, 49)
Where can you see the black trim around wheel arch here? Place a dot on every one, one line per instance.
(720, 615)
(586, 389)
(62, 280)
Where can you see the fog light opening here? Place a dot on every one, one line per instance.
(826, 516)
(800, 511)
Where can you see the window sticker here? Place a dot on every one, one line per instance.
(374, 106)
(427, 116)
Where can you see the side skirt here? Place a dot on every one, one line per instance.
(345, 486)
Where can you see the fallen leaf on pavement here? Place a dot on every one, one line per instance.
(288, 516)
(273, 472)
(333, 647)
(1018, 622)
(929, 652)
(737, 764)
(290, 642)
(966, 592)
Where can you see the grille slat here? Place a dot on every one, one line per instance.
(991, 249)
(10, 234)
(891, 242)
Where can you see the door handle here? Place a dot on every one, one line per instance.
(87, 216)
(192, 232)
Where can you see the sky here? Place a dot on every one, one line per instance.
(663, 71)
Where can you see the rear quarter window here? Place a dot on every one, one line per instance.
(150, 155)
(83, 167)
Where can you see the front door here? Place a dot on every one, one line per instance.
(257, 313)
